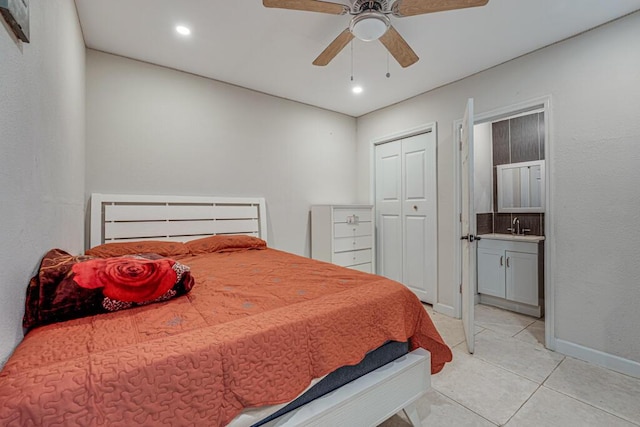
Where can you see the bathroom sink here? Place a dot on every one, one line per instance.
(512, 237)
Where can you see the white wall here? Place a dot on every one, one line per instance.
(594, 81)
(152, 130)
(42, 130)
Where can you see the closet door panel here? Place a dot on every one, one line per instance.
(390, 247)
(405, 192)
(415, 276)
(418, 199)
(388, 163)
(414, 180)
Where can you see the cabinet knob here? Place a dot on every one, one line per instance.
(415, 207)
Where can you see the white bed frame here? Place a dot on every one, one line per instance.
(367, 401)
(125, 217)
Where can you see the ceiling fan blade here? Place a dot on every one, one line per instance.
(399, 48)
(334, 48)
(419, 7)
(308, 5)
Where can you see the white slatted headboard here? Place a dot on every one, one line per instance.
(124, 217)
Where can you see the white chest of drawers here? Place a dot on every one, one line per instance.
(343, 235)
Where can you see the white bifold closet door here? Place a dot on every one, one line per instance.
(406, 209)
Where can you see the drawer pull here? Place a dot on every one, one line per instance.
(353, 219)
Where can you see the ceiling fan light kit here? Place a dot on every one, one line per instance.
(371, 22)
(369, 26)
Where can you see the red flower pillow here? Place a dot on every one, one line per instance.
(68, 287)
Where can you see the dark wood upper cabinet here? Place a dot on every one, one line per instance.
(525, 142)
(500, 131)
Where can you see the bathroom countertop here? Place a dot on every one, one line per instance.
(513, 237)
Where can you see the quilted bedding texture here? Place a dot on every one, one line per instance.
(255, 330)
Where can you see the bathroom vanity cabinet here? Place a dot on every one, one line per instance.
(510, 273)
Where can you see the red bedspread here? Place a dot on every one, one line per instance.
(257, 327)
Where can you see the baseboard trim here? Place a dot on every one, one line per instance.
(444, 309)
(527, 309)
(597, 357)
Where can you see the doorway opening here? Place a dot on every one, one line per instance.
(514, 259)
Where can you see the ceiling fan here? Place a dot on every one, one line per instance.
(371, 21)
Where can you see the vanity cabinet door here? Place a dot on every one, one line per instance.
(508, 275)
(522, 277)
(491, 270)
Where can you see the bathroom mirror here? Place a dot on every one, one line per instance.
(521, 187)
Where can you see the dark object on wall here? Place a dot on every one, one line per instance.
(16, 14)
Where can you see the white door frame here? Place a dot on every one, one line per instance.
(543, 103)
(424, 128)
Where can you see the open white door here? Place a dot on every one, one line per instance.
(468, 226)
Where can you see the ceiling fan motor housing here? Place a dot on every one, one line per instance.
(364, 5)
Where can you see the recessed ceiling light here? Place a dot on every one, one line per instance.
(181, 29)
(357, 89)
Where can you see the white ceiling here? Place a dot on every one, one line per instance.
(271, 50)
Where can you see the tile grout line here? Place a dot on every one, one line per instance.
(468, 409)
(523, 403)
(580, 400)
(535, 391)
(589, 404)
(503, 369)
(539, 384)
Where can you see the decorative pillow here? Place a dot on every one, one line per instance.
(168, 249)
(67, 287)
(225, 243)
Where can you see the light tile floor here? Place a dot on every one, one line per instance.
(512, 380)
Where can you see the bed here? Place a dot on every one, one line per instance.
(258, 329)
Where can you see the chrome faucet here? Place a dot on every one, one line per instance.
(515, 226)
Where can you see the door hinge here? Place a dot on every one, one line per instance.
(460, 146)
(460, 287)
(460, 217)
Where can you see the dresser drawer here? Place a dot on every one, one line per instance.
(352, 230)
(346, 259)
(366, 268)
(342, 244)
(344, 235)
(345, 215)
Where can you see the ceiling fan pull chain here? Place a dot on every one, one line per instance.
(388, 73)
(351, 60)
